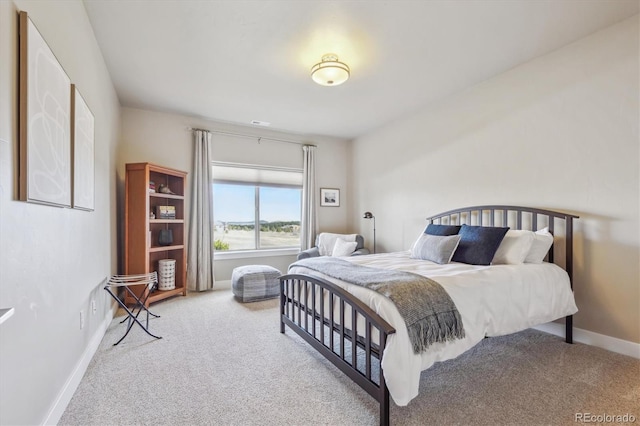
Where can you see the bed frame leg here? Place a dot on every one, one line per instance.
(282, 306)
(384, 409)
(568, 324)
(384, 404)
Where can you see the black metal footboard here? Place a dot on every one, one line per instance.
(342, 328)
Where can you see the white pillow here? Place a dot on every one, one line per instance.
(436, 248)
(541, 244)
(343, 248)
(514, 248)
(326, 241)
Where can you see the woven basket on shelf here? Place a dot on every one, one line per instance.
(166, 274)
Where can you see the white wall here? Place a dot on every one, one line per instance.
(149, 136)
(53, 261)
(559, 132)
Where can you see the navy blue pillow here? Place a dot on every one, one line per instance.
(442, 230)
(478, 244)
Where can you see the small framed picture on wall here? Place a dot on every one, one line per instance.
(329, 197)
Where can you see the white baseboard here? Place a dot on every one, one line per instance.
(587, 337)
(72, 383)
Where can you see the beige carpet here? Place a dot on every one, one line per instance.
(225, 363)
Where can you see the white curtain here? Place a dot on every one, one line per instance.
(200, 247)
(309, 214)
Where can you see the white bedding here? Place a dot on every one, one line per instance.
(492, 301)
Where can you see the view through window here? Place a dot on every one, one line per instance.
(239, 209)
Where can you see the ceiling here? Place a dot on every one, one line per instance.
(238, 61)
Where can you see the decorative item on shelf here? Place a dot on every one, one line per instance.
(164, 189)
(152, 215)
(166, 274)
(166, 212)
(369, 215)
(165, 237)
(152, 187)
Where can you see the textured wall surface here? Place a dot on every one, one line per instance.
(559, 132)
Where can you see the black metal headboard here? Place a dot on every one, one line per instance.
(516, 217)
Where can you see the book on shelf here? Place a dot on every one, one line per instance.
(165, 212)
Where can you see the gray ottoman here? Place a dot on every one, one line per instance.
(255, 282)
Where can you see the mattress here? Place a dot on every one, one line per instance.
(492, 301)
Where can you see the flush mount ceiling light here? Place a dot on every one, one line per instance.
(330, 72)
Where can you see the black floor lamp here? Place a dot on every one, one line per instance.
(368, 215)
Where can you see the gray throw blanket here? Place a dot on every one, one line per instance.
(430, 314)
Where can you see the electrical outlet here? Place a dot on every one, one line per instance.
(81, 320)
(94, 308)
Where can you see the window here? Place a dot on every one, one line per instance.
(256, 208)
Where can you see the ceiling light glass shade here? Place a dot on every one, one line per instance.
(330, 72)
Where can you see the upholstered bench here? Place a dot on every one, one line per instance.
(255, 282)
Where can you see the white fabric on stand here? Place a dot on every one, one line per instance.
(200, 244)
(309, 215)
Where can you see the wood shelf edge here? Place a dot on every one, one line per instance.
(162, 195)
(165, 248)
(158, 295)
(164, 294)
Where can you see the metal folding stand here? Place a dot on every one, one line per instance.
(125, 281)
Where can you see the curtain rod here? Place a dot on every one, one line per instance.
(242, 135)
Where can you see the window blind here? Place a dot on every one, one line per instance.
(256, 175)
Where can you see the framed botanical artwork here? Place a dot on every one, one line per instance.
(45, 129)
(83, 146)
(329, 197)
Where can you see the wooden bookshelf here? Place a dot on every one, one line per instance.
(142, 250)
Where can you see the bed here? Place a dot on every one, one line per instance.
(364, 334)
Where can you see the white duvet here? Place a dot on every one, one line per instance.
(492, 301)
